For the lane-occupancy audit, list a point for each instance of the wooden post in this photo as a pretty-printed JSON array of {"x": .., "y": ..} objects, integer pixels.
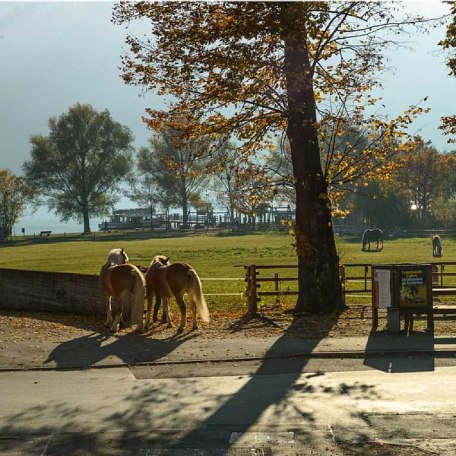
[
  {"x": 276, "y": 288},
  {"x": 252, "y": 291}
]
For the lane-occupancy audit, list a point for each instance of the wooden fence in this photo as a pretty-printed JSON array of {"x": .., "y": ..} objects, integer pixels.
[{"x": 356, "y": 280}]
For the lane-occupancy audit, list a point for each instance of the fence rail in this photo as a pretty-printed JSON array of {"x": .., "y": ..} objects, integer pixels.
[{"x": 349, "y": 279}]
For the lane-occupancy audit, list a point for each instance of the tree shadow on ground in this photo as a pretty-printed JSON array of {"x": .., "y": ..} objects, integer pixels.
[
  {"x": 195, "y": 415},
  {"x": 263, "y": 395}
]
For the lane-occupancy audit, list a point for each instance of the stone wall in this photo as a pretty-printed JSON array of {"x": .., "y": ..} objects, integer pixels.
[{"x": 50, "y": 292}]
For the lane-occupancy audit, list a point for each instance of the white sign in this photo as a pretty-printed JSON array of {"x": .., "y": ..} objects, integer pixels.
[{"x": 382, "y": 277}]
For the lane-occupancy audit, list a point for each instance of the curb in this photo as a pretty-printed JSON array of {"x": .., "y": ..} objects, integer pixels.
[{"x": 348, "y": 354}]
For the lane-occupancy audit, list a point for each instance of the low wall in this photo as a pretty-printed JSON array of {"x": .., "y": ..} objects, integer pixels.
[{"x": 50, "y": 292}]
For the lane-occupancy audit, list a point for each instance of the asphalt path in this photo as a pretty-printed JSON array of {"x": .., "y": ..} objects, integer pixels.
[{"x": 296, "y": 406}]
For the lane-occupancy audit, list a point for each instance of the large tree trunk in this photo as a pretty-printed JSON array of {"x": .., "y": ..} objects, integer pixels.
[
  {"x": 86, "y": 219},
  {"x": 318, "y": 274},
  {"x": 184, "y": 201},
  {"x": 185, "y": 213}
]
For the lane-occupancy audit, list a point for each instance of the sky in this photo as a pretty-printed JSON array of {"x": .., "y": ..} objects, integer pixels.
[{"x": 56, "y": 54}]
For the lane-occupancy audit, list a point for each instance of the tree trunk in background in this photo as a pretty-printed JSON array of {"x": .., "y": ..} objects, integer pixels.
[
  {"x": 185, "y": 213},
  {"x": 86, "y": 220}
]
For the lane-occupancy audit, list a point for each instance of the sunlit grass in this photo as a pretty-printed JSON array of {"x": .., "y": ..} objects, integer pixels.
[{"x": 212, "y": 255}]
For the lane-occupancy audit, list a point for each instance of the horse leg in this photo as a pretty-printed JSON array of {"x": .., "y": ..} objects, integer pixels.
[
  {"x": 193, "y": 307},
  {"x": 119, "y": 308},
  {"x": 108, "y": 321},
  {"x": 166, "y": 311},
  {"x": 183, "y": 311},
  {"x": 156, "y": 310},
  {"x": 150, "y": 298}
]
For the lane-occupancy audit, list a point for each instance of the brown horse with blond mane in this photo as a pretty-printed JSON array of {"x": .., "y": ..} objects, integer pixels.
[
  {"x": 167, "y": 280},
  {"x": 120, "y": 280}
]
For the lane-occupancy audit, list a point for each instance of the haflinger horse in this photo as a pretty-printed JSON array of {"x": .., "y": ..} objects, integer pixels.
[
  {"x": 436, "y": 246},
  {"x": 121, "y": 280},
  {"x": 372, "y": 235},
  {"x": 166, "y": 280}
]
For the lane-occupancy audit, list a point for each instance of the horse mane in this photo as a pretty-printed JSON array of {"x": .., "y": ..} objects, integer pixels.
[
  {"x": 117, "y": 256},
  {"x": 160, "y": 259}
]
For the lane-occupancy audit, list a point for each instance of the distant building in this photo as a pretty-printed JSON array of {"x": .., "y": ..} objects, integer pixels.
[{"x": 129, "y": 219}]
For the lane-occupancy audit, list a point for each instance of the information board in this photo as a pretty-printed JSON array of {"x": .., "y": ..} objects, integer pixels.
[{"x": 413, "y": 287}]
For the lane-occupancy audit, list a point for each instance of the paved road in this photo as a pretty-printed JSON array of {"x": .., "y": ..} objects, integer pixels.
[{"x": 278, "y": 407}]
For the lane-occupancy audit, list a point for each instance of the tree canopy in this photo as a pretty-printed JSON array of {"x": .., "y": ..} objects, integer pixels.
[
  {"x": 78, "y": 168},
  {"x": 449, "y": 43},
  {"x": 178, "y": 168},
  {"x": 14, "y": 194},
  {"x": 253, "y": 70}
]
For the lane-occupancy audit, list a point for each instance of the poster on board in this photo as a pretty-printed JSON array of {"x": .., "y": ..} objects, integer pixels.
[
  {"x": 382, "y": 288},
  {"x": 413, "y": 288}
]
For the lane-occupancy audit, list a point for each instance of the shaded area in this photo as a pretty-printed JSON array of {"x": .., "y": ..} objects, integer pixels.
[
  {"x": 256, "y": 401},
  {"x": 150, "y": 414},
  {"x": 94, "y": 348},
  {"x": 201, "y": 418},
  {"x": 383, "y": 342}
]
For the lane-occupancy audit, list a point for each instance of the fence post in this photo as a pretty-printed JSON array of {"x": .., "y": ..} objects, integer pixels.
[
  {"x": 276, "y": 287},
  {"x": 342, "y": 280},
  {"x": 252, "y": 290}
]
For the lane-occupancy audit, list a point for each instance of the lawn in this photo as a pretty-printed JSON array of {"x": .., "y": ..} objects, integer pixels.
[{"x": 213, "y": 255}]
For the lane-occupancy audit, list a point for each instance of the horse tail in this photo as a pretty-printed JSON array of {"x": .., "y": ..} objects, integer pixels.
[
  {"x": 138, "y": 291},
  {"x": 195, "y": 292}
]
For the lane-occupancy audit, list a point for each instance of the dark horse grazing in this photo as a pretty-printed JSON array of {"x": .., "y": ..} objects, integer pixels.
[
  {"x": 372, "y": 235},
  {"x": 436, "y": 246}
]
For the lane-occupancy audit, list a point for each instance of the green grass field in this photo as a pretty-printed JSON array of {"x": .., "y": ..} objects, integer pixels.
[{"x": 213, "y": 255}]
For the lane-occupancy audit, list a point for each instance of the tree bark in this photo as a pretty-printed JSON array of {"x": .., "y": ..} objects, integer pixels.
[
  {"x": 86, "y": 219},
  {"x": 185, "y": 213},
  {"x": 318, "y": 263}
]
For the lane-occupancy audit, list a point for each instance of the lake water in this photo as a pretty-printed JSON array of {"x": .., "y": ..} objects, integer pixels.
[{"x": 42, "y": 220}]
